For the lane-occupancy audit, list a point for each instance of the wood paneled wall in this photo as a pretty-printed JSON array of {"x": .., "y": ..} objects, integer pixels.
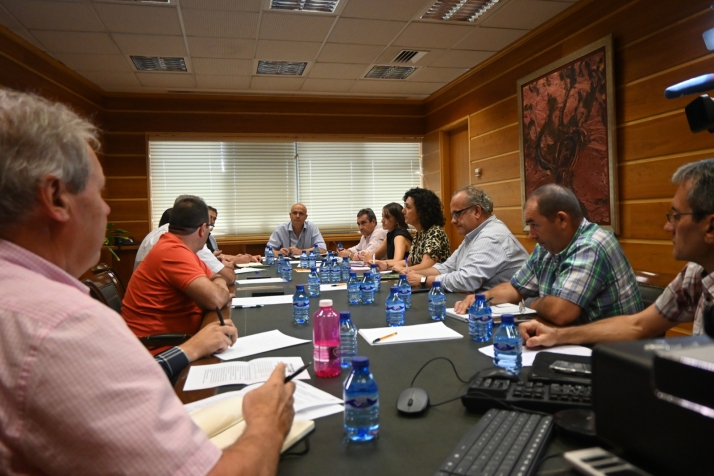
[{"x": 656, "y": 44}]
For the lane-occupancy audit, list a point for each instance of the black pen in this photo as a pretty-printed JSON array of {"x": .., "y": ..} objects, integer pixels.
[
  {"x": 220, "y": 316},
  {"x": 295, "y": 374}
]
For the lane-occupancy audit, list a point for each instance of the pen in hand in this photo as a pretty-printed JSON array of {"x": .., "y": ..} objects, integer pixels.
[
  {"x": 220, "y": 316},
  {"x": 295, "y": 374}
]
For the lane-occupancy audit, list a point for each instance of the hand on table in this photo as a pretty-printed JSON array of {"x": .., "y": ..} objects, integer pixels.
[
  {"x": 212, "y": 338},
  {"x": 294, "y": 250},
  {"x": 271, "y": 404},
  {"x": 343, "y": 253},
  {"x": 537, "y": 334},
  {"x": 462, "y": 307},
  {"x": 414, "y": 278},
  {"x": 284, "y": 251}
]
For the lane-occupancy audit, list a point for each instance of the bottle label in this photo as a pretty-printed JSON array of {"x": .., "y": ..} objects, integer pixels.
[
  {"x": 361, "y": 402},
  {"x": 398, "y": 308},
  {"x": 505, "y": 347},
  {"x": 326, "y": 354},
  {"x": 301, "y": 305},
  {"x": 484, "y": 319}
]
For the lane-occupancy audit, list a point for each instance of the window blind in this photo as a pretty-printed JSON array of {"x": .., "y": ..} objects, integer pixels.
[{"x": 254, "y": 184}]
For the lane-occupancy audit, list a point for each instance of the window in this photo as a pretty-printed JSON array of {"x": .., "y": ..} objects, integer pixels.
[{"x": 254, "y": 184}]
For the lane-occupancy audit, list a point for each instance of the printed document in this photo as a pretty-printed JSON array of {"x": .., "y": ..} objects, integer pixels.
[
  {"x": 237, "y": 373},
  {"x": 258, "y": 343}
]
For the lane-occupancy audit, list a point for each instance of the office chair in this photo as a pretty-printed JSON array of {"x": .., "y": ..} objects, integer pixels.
[{"x": 106, "y": 288}]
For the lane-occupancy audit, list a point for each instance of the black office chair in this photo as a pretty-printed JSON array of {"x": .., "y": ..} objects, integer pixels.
[
  {"x": 649, "y": 293},
  {"x": 106, "y": 288}
]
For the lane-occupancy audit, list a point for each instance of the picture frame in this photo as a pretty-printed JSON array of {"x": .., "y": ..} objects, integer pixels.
[{"x": 567, "y": 131}]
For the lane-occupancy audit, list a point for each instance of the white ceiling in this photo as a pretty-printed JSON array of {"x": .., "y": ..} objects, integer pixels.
[{"x": 222, "y": 41}]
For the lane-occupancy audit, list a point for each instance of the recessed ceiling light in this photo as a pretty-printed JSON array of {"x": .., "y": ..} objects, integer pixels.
[
  {"x": 323, "y": 6},
  {"x": 390, "y": 72},
  {"x": 458, "y": 10},
  {"x": 158, "y": 63},
  {"x": 281, "y": 67}
]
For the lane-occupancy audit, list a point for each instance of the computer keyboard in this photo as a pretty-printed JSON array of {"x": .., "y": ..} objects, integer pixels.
[
  {"x": 543, "y": 397},
  {"x": 502, "y": 443}
]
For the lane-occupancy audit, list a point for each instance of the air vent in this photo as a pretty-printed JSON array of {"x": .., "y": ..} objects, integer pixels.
[
  {"x": 407, "y": 56},
  {"x": 390, "y": 72},
  {"x": 458, "y": 10},
  {"x": 158, "y": 63},
  {"x": 322, "y": 6},
  {"x": 281, "y": 67}
]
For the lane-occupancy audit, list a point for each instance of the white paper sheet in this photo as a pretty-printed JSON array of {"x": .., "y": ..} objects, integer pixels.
[
  {"x": 252, "y": 265},
  {"x": 236, "y": 373},
  {"x": 259, "y": 343},
  {"x": 529, "y": 355},
  {"x": 417, "y": 333},
  {"x": 262, "y": 300},
  {"x": 261, "y": 281},
  {"x": 332, "y": 287},
  {"x": 496, "y": 312},
  {"x": 247, "y": 271},
  {"x": 360, "y": 268},
  {"x": 310, "y": 402}
]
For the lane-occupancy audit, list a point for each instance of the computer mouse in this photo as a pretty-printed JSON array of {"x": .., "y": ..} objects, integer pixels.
[
  {"x": 413, "y": 401},
  {"x": 498, "y": 373}
]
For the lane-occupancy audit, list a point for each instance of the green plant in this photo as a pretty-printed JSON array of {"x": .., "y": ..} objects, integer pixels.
[{"x": 111, "y": 234}]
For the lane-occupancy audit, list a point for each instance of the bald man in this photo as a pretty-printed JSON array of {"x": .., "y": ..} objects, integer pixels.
[{"x": 296, "y": 235}]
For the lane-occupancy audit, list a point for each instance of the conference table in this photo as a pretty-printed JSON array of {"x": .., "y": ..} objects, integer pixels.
[{"x": 405, "y": 445}]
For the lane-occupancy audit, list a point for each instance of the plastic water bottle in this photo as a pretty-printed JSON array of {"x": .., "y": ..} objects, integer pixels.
[
  {"x": 395, "y": 308},
  {"x": 325, "y": 272},
  {"x": 326, "y": 340},
  {"x": 367, "y": 288},
  {"x": 480, "y": 320},
  {"x": 345, "y": 269},
  {"x": 312, "y": 259},
  {"x": 313, "y": 283},
  {"x": 405, "y": 290},
  {"x": 269, "y": 256},
  {"x": 348, "y": 340},
  {"x": 361, "y": 398},
  {"x": 335, "y": 271},
  {"x": 437, "y": 302},
  {"x": 353, "y": 289},
  {"x": 279, "y": 264},
  {"x": 287, "y": 272},
  {"x": 303, "y": 259},
  {"x": 301, "y": 305},
  {"x": 376, "y": 277},
  {"x": 508, "y": 345}
]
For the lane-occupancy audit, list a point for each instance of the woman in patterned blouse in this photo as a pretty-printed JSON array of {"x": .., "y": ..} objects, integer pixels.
[{"x": 423, "y": 211}]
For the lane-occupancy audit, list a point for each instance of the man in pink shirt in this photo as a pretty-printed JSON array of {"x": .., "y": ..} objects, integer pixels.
[{"x": 78, "y": 393}]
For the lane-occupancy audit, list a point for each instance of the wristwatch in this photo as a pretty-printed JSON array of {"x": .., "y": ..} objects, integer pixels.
[{"x": 423, "y": 282}]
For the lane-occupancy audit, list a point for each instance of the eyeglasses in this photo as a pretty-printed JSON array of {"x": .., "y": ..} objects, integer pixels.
[
  {"x": 674, "y": 217},
  {"x": 455, "y": 215}
]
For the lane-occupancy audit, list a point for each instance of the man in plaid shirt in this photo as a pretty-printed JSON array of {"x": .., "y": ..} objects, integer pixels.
[
  {"x": 690, "y": 297},
  {"x": 577, "y": 271}
]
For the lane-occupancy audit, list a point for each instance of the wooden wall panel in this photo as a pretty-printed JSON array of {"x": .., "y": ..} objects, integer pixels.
[
  {"x": 129, "y": 210},
  {"x": 506, "y": 194},
  {"x": 459, "y": 153},
  {"x": 126, "y": 188},
  {"x": 501, "y": 114},
  {"x": 511, "y": 217},
  {"x": 124, "y": 166},
  {"x": 652, "y": 178},
  {"x": 651, "y": 256},
  {"x": 124, "y": 144},
  {"x": 498, "y": 142},
  {"x": 665, "y": 135},
  {"x": 644, "y": 219},
  {"x": 502, "y": 167}
]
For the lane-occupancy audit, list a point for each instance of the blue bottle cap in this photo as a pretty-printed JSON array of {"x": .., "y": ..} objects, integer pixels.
[
  {"x": 402, "y": 276},
  {"x": 367, "y": 274},
  {"x": 345, "y": 315},
  {"x": 313, "y": 270},
  {"x": 360, "y": 362},
  {"x": 300, "y": 287},
  {"x": 287, "y": 260},
  {"x": 436, "y": 284},
  {"x": 506, "y": 318},
  {"x": 394, "y": 289},
  {"x": 481, "y": 297},
  {"x": 353, "y": 274}
]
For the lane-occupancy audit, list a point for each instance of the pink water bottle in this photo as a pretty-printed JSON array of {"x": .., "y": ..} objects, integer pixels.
[{"x": 326, "y": 340}]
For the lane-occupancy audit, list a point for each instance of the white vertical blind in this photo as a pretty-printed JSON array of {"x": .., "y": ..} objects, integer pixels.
[{"x": 254, "y": 184}]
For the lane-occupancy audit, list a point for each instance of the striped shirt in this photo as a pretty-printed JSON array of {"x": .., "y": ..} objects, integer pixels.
[
  {"x": 489, "y": 255},
  {"x": 285, "y": 237},
  {"x": 592, "y": 272},
  {"x": 687, "y": 298}
]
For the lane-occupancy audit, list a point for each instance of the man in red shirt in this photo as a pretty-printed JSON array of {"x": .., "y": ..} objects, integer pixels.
[{"x": 173, "y": 289}]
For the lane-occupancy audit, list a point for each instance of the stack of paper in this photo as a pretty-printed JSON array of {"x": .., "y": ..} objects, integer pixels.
[
  {"x": 262, "y": 300},
  {"x": 417, "y": 333},
  {"x": 237, "y": 373},
  {"x": 261, "y": 281},
  {"x": 497, "y": 311},
  {"x": 258, "y": 343}
]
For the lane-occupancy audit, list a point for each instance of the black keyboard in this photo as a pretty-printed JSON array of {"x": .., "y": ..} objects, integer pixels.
[
  {"x": 502, "y": 443},
  {"x": 539, "y": 396}
]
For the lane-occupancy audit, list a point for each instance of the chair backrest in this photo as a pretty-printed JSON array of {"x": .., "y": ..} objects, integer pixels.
[
  {"x": 103, "y": 267},
  {"x": 104, "y": 288}
]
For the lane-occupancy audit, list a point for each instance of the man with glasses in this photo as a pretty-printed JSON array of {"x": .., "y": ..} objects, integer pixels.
[
  {"x": 173, "y": 288},
  {"x": 489, "y": 254},
  {"x": 688, "y": 298},
  {"x": 577, "y": 272}
]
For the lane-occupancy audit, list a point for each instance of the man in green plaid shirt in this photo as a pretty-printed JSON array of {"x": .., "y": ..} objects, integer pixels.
[{"x": 577, "y": 270}]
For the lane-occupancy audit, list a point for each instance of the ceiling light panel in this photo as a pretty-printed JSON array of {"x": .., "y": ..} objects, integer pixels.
[
  {"x": 159, "y": 63},
  {"x": 281, "y": 67},
  {"x": 458, "y": 10},
  {"x": 322, "y": 6},
  {"x": 390, "y": 72}
]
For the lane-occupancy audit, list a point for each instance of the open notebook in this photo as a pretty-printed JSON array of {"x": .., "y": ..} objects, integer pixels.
[{"x": 223, "y": 423}]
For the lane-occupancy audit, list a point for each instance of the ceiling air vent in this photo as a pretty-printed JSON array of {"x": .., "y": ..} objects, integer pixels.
[
  {"x": 407, "y": 56},
  {"x": 390, "y": 72},
  {"x": 323, "y": 6},
  {"x": 158, "y": 63},
  {"x": 458, "y": 10},
  {"x": 281, "y": 67}
]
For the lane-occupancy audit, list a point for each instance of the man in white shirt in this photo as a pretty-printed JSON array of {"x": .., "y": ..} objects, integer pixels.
[{"x": 372, "y": 237}]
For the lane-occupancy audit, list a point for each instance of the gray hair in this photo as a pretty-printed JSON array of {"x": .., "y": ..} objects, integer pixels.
[
  {"x": 552, "y": 198},
  {"x": 39, "y": 138},
  {"x": 701, "y": 195},
  {"x": 476, "y": 196}
]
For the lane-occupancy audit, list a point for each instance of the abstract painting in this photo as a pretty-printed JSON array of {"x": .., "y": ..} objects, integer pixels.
[{"x": 567, "y": 130}]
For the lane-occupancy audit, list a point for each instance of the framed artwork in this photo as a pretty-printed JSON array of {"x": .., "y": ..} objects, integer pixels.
[{"x": 567, "y": 130}]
